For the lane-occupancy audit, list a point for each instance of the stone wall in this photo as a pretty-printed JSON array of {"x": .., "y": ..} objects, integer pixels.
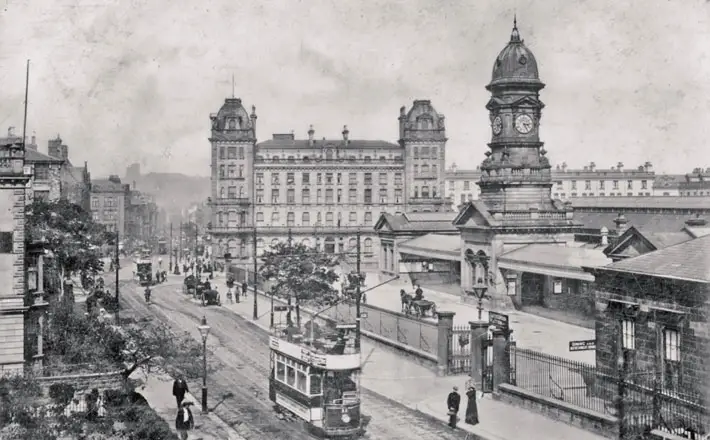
[{"x": 85, "y": 382}]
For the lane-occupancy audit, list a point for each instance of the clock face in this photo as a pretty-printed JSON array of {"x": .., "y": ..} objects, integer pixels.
[
  {"x": 497, "y": 125},
  {"x": 524, "y": 124}
]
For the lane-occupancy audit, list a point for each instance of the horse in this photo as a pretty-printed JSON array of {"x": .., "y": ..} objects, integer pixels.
[{"x": 407, "y": 301}]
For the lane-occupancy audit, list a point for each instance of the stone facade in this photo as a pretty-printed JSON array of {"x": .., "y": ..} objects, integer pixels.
[
  {"x": 13, "y": 182},
  {"x": 109, "y": 199},
  {"x": 322, "y": 191},
  {"x": 654, "y": 306},
  {"x": 46, "y": 182}
]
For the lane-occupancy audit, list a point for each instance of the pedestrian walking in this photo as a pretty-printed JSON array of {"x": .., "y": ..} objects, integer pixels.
[
  {"x": 179, "y": 390},
  {"x": 184, "y": 421},
  {"x": 471, "y": 406},
  {"x": 244, "y": 289},
  {"x": 452, "y": 403}
]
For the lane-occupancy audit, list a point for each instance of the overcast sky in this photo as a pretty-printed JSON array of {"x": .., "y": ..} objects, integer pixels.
[{"x": 136, "y": 80}]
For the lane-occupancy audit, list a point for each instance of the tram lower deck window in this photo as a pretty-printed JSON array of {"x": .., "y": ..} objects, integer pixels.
[
  {"x": 301, "y": 381},
  {"x": 316, "y": 384},
  {"x": 280, "y": 371},
  {"x": 290, "y": 375}
]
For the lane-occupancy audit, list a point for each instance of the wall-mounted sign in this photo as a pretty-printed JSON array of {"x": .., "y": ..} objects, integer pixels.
[
  {"x": 511, "y": 287},
  {"x": 557, "y": 286},
  {"x": 587, "y": 345}
]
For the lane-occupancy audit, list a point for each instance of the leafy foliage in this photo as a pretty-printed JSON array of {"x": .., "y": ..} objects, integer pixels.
[
  {"x": 68, "y": 232},
  {"x": 76, "y": 339},
  {"x": 26, "y": 415},
  {"x": 300, "y": 272}
]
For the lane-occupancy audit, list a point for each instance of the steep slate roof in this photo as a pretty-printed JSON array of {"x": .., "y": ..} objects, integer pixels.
[
  {"x": 353, "y": 144},
  {"x": 418, "y": 222},
  {"x": 35, "y": 156},
  {"x": 434, "y": 243},
  {"x": 556, "y": 255},
  {"x": 686, "y": 261}
]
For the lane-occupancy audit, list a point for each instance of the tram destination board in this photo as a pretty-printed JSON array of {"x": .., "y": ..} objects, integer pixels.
[
  {"x": 498, "y": 320},
  {"x": 588, "y": 345}
]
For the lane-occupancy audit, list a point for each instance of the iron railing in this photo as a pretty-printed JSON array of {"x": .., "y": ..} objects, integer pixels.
[{"x": 646, "y": 404}]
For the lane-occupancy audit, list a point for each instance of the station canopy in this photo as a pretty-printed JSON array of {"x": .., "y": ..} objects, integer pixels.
[
  {"x": 431, "y": 247},
  {"x": 554, "y": 260}
]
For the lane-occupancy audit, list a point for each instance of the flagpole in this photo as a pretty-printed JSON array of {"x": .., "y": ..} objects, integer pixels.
[{"x": 27, "y": 90}]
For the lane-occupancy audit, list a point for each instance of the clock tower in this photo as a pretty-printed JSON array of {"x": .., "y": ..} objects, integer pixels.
[
  {"x": 516, "y": 172},
  {"x": 515, "y": 208}
]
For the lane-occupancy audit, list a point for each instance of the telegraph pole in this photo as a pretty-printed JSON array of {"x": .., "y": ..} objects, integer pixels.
[
  {"x": 118, "y": 321},
  {"x": 358, "y": 294},
  {"x": 256, "y": 307},
  {"x": 194, "y": 257},
  {"x": 171, "y": 247}
]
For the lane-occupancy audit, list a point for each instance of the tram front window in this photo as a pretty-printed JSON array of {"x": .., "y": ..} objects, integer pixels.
[
  {"x": 340, "y": 384},
  {"x": 316, "y": 384}
]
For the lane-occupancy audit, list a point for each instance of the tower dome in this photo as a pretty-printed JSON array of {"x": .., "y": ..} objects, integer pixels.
[{"x": 515, "y": 63}]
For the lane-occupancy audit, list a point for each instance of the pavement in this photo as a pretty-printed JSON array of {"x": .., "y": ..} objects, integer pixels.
[
  {"x": 403, "y": 380},
  {"x": 529, "y": 331},
  {"x": 158, "y": 392}
]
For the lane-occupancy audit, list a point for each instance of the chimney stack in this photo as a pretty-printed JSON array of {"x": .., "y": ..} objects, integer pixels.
[
  {"x": 346, "y": 132},
  {"x": 311, "y": 133},
  {"x": 605, "y": 236},
  {"x": 10, "y": 132},
  {"x": 621, "y": 223}
]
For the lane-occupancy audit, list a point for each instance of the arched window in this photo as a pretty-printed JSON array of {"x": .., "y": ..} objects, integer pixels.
[
  {"x": 274, "y": 218},
  {"x": 416, "y": 192},
  {"x": 306, "y": 219},
  {"x": 221, "y": 171},
  {"x": 425, "y": 169},
  {"x": 232, "y": 124},
  {"x": 415, "y": 152},
  {"x": 352, "y": 244},
  {"x": 232, "y": 219},
  {"x": 291, "y": 219},
  {"x": 243, "y": 249},
  {"x": 329, "y": 154},
  {"x": 368, "y": 246},
  {"x": 425, "y": 192},
  {"x": 241, "y": 192},
  {"x": 329, "y": 219},
  {"x": 306, "y": 159},
  {"x": 276, "y": 159},
  {"x": 221, "y": 220},
  {"x": 221, "y": 193},
  {"x": 319, "y": 218}
]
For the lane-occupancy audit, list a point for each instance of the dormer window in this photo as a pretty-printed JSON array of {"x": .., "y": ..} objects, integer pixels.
[
  {"x": 232, "y": 124},
  {"x": 276, "y": 159}
]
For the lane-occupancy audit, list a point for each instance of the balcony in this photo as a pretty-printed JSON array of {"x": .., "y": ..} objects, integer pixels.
[
  {"x": 339, "y": 162},
  {"x": 230, "y": 201}
]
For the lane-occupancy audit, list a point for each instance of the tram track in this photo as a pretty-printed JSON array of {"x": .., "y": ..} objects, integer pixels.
[{"x": 242, "y": 349}]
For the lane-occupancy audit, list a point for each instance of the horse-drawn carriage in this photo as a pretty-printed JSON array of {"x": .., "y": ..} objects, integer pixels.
[
  {"x": 417, "y": 306},
  {"x": 203, "y": 291}
]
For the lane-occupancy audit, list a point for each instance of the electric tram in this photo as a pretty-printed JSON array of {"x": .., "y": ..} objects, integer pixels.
[{"x": 315, "y": 377}]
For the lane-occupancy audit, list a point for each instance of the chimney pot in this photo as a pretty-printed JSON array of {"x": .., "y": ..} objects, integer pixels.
[
  {"x": 311, "y": 132},
  {"x": 346, "y": 132}
]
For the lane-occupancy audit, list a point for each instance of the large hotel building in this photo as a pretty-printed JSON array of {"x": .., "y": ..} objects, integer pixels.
[{"x": 322, "y": 191}]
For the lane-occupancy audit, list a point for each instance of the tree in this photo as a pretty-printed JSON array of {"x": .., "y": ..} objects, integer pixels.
[
  {"x": 69, "y": 233},
  {"x": 74, "y": 339},
  {"x": 298, "y": 272}
]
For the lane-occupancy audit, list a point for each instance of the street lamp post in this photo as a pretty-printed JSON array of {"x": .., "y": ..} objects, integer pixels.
[
  {"x": 479, "y": 290},
  {"x": 204, "y": 329},
  {"x": 255, "y": 315},
  {"x": 118, "y": 321}
]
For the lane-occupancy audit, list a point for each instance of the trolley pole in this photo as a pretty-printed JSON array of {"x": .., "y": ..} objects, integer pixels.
[
  {"x": 118, "y": 320},
  {"x": 255, "y": 315},
  {"x": 358, "y": 294}
]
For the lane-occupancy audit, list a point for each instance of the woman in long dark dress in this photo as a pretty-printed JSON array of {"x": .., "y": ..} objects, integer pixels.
[{"x": 471, "y": 406}]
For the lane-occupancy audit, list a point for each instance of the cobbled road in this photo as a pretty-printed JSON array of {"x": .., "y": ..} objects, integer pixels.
[{"x": 242, "y": 353}]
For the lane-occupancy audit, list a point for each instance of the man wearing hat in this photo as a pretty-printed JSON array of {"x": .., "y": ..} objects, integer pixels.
[{"x": 452, "y": 403}]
